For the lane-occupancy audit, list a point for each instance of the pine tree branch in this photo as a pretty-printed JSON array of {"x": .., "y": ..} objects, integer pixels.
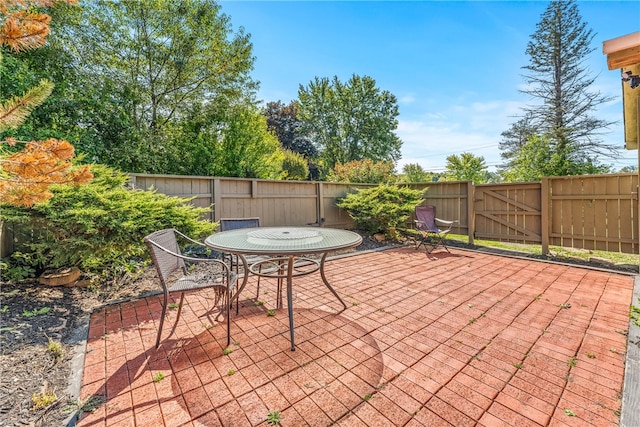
[{"x": 15, "y": 111}]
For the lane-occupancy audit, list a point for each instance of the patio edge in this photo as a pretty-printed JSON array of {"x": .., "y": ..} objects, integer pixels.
[{"x": 629, "y": 414}]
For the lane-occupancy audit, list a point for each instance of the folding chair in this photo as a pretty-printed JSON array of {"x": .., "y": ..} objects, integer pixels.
[
  {"x": 179, "y": 273},
  {"x": 431, "y": 236}
]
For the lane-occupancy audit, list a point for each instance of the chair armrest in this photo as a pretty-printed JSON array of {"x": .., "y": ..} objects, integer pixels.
[
  {"x": 191, "y": 259},
  {"x": 190, "y": 239},
  {"x": 442, "y": 221}
]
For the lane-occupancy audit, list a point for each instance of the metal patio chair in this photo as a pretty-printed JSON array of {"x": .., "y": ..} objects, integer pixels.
[
  {"x": 180, "y": 273},
  {"x": 227, "y": 224},
  {"x": 427, "y": 224}
]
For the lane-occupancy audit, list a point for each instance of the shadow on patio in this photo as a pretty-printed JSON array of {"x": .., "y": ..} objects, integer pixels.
[{"x": 460, "y": 339}]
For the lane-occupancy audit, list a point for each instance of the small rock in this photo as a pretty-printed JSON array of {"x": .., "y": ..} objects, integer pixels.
[{"x": 379, "y": 237}]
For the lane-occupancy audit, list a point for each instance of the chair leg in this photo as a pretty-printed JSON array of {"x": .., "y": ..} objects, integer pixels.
[
  {"x": 228, "y": 306},
  {"x": 164, "y": 310},
  {"x": 180, "y": 306},
  {"x": 258, "y": 289},
  {"x": 444, "y": 244}
]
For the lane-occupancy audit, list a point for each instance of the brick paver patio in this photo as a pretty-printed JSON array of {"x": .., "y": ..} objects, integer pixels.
[{"x": 463, "y": 339}]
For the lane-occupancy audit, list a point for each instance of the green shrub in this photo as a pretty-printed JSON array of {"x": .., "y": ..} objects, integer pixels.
[
  {"x": 381, "y": 208},
  {"x": 99, "y": 226}
]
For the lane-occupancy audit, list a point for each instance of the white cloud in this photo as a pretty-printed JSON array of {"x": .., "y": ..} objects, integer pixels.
[
  {"x": 431, "y": 136},
  {"x": 436, "y": 129},
  {"x": 407, "y": 99}
]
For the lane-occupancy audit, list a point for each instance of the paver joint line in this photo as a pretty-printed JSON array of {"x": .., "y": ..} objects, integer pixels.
[{"x": 437, "y": 338}]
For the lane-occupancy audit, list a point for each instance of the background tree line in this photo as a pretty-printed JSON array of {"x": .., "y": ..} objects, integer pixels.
[{"x": 164, "y": 86}]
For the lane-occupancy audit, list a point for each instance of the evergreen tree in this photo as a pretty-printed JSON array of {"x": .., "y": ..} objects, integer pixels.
[
  {"x": 558, "y": 79},
  {"x": 27, "y": 174},
  {"x": 515, "y": 138}
]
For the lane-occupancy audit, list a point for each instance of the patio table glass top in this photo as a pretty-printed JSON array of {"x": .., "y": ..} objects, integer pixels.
[{"x": 283, "y": 240}]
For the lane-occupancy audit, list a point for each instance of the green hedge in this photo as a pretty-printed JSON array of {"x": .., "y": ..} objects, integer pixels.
[{"x": 97, "y": 227}]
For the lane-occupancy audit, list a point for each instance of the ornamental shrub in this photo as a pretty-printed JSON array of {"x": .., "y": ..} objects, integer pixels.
[
  {"x": 381, "y": 208},
  {"x": 98, "y": 226}
]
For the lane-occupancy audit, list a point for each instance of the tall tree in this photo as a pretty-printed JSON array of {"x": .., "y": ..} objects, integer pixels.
[
  {"x": 559, "y": 80},
  {"x": 515, "y": 138},
  {"x": 282, "y": 119},
  {"x": 223, "y": 140},
  {"x": 538, "y": 158},
  {"x": 152, "y": 64},
  {"x": 466, "y": 167},
  {"x": 349, "y": 121}
]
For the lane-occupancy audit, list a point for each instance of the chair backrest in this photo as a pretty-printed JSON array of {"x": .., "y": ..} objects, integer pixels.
[
  {"x": 427, "y": 216},
  {"x": 164, "y": 248},
  {"x": 227, "y": 224}
]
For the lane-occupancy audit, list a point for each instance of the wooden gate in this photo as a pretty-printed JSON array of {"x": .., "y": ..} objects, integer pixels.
[{"x": 508, "y": 213}]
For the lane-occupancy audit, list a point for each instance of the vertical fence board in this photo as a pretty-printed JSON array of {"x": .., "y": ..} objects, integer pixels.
[
  {"x": 591, "y": 212},
  {"x": 597, "y": 211},
  {"x": 451, "y": 202}
]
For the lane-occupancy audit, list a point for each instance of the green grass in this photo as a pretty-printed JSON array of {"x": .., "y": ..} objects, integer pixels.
[
  {"x": 555, "y": 251},
  {"x": 35, "y": 312}
]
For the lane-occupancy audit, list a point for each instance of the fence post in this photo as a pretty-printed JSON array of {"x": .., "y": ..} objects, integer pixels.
[
  {"x": 545, "y": 203},
  {"x": 319, "y": 204},
  {"x": 216, "y": 196},
  {"x": 471, "y": 211}
]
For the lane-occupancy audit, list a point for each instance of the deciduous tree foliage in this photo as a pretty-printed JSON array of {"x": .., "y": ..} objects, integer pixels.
[
  {"x": 26, "y": 175},
  {"x": 294, "y": 166},
  {"x": 562, "y": 87},
  {"x": 363, "y": 171},
  {"x": 539, "y": 158},
  {"x": 283, "y": 121},
  {"x": 349, "y": 121},
  {"x": 157, "y": 76},
  {"x": 466, "y": 167},
  {"x": 413, "y": 172}
]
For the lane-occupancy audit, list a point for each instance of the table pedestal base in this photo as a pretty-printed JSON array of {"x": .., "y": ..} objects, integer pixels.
[{"x": 288, "y": 267}]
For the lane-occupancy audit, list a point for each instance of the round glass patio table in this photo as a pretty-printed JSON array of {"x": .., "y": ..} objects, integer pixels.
[{"x": 285, "y": 248}]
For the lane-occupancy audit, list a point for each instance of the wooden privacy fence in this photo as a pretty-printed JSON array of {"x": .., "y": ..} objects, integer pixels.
[{"x": 588, "y": 211}]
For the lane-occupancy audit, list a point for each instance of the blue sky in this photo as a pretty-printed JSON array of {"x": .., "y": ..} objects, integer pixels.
[{"x": 455, "y": 66}]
